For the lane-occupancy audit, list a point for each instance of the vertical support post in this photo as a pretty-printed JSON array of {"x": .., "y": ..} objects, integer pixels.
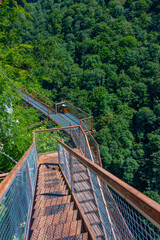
[
  {"x": 85, "y": 151},
  {"x": 59, "y": 154},
  {"x": 71, "y": 167},
  {"x": 48, "y": 113},
  {"x": 36, "y": 149},
  {"x": 79, "y": 138},
  {"x": 98, "y": 160},
  {"x": 29, "y": 179}
]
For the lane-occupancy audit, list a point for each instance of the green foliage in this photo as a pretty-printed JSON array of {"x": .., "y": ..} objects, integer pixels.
[{"x": 47, "y": 142}]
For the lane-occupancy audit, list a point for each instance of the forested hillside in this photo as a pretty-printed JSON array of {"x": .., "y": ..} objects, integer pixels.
[{"x": 103, "y": 56}]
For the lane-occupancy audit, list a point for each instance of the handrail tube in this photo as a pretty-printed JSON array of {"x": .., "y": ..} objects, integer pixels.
[
  {"x": 143, "y": 204},
  {"x": 60, "y": 102},
  {"x": 3, "y": 175},
  {"x": 86, "y": 118},
  {"x": 55, "y": 129},
  {"x": 9, "y": 178},
  {"x": 36, "y": 124}
]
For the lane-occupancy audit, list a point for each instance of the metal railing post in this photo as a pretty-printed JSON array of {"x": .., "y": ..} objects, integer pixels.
[
  {"x": 48, "y": 112},
  {"x": 71, "y": 167},
  {"x": 79, "y": 138},
  {"x": 85, "y": 151},
  {"x": 92, "y": 124},
  {"x": 29, "y": 179}
]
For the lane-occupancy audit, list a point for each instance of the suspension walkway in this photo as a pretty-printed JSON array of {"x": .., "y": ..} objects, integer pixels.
[
  {"x": 53, "y": 110},
  {"x": 66, "y": 194}
]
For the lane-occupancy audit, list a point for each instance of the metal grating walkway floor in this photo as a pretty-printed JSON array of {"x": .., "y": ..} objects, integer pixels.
[{"x": 54, "y": 214}]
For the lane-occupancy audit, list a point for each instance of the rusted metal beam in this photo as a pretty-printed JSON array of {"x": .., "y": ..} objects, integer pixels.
[
  {"x": 25, "y": 106},
  {"x": 2, "y": 176},
  {"x": 143, "y": 204},
  {"x": 55, "y": 129},
  {"x": 36, "y": 124}
]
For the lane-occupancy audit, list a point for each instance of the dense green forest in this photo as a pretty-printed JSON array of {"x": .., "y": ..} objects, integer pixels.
[{"x": 103, "y": 56}]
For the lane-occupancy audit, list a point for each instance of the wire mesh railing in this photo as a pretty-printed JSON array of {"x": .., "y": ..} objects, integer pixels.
[
  {"x": 129, "y": 218},
  {"x": 139, "y": 226},
  {"x": 87, "y": 123},
  {"x": 114, "y": 209},
  {"x": 76, "y": 112},
  {"x": 16, "y": 201},
  {"x": 39, "y": 97},
  {"x": 85, "y": 186}
]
